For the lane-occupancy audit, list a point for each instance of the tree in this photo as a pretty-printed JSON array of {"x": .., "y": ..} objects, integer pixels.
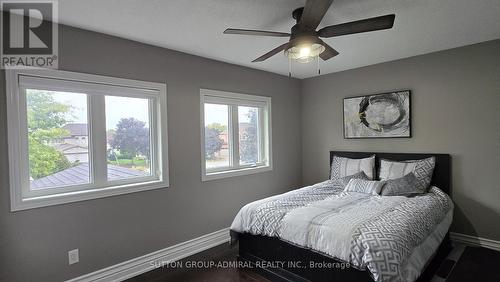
[
  {"x": 110, "y": 152},
  {"x": 44, "y": 113},
  {"x": 131, "y": 138},
  {"x": 218, "y": 126},
  {"x": 213, "y": 142},
  {"x": 45, "y": 160},
  {"x": 248, "y": 140},
  {"x": 110, "y": 135},
  {"x": 45, "y": 119}
]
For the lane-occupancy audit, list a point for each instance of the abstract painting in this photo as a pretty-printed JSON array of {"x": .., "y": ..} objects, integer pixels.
[{"x": 383, "y": 115}]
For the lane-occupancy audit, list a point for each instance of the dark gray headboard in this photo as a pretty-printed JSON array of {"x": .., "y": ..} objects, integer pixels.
[{"x": 441, "y": 177}]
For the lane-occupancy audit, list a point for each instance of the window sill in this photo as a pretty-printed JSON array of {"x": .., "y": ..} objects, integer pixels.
[
  {"x": 71, "y": 197},
  {"x": 236, "y": 172}
]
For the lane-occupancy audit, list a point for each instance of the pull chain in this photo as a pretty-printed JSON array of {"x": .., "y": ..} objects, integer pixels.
[
  {"x": 289, "y": 67},
  {"x": 317, "y": 63}
]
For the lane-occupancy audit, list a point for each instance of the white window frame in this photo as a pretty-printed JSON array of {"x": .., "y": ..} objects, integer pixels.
[
  {"x": 96, "y": 87},
  {"x": 265, "y": 131}
]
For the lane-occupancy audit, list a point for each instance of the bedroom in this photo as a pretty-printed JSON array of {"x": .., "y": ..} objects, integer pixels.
[{"x": 445, "y": 53}]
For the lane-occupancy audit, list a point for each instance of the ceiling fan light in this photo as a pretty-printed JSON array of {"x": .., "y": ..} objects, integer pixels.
[{"x": 305, "y": 53}]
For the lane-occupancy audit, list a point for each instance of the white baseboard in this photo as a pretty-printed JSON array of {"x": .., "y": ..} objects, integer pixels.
[
  {"x": 139, "y": 265},
  {"x": 475, "y": 241}
]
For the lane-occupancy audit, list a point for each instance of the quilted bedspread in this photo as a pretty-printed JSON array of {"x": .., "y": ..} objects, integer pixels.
[{"x": 369, "y": 232}]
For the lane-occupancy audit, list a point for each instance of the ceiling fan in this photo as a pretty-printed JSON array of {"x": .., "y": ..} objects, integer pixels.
[{"x": 305, "y": 43}]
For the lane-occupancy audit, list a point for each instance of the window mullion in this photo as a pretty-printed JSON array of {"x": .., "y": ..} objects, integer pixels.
[
  {"x": 235, "y": 136},
  {"x": 260, "y": 135},
  {"x": 154, "y": 139},
  {"x": 98, "y": 158}
]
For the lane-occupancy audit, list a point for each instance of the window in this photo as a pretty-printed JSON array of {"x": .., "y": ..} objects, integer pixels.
[
  {"x": 128, "y": 137},
  {"x": 76, "y": 136},
  {"x": 235, "y": 134}
]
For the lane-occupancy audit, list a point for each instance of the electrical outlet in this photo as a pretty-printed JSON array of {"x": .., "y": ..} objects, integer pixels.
[{"x": 73, "y": 256}]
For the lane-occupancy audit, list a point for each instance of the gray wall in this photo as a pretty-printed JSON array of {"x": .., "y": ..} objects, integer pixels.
[
  {"x": 455, "y": 109},
  {"x": 34, "y": 243},
  {"x": 455, "y": 102}
]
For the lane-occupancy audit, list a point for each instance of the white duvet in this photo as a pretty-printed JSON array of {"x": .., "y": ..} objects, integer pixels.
[{"x": 377, "y": 233}]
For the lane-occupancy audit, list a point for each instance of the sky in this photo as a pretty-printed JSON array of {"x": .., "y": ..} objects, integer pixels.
[
  {"x": 125, "y": 107},
  {"x": 116, "y": 108},
  {"x": 215, "y": 113}
]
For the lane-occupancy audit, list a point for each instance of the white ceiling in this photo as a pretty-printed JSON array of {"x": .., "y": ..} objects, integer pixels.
[{"x": 196, "y": 26}]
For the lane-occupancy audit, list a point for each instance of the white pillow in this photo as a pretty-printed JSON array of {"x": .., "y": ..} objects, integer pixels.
[
  {"x": 360, "y": 175},
  {"x": 342, "y": 167},
  {"x": 364, "y": 186},
  {"x": 422, "y": 169}
]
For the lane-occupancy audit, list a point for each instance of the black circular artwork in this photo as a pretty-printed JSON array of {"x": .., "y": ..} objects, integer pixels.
[{"x": 384, "y": 122}]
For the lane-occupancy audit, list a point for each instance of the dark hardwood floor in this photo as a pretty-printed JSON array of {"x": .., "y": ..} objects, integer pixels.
[{"x": 475, "y": 264}]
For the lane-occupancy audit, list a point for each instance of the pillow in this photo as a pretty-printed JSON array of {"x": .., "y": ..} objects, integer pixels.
[
  {"x": 360, "y": 175},
  {"x": 421, "y": 168},
  {"x": 403, "y": 186},
  {"x": 364, "y": 186},
  {"x": 342, "y": 167}
]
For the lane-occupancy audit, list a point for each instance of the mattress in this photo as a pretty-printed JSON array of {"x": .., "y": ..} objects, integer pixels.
[{"x": 393, "y": 237}]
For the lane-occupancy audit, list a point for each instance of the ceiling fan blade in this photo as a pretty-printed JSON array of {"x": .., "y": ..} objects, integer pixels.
[
  {"x": 313, "y": 13},
  {"x": 328, "y": 53},
  {"x": 255, "y": 32},
  {"x": 271, "y": 53},
  {"x": 371, "y": 24}
]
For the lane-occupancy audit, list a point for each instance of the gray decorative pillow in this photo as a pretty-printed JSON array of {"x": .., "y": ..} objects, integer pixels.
[
  {"x": 404, "y": 186},
  {"x": 422, "y": 169},
  {"x": 364, "y": 186},
  {"x": 360, "y": 175},
  {"x": 342, "y": 167}
]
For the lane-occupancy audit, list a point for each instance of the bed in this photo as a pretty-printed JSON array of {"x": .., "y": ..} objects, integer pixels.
[{"x": 376, "y": 238}]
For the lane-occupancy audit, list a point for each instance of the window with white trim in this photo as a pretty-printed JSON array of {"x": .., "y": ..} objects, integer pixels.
[
  {"x": 235, "y": 134},
  {"x": 76, "y": 136}
]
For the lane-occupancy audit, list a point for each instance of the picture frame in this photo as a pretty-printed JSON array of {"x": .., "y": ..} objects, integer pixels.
[{"x": 382, "y": 115}]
